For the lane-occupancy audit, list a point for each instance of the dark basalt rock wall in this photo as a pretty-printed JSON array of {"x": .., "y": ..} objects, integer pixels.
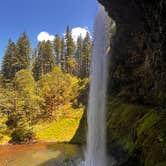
[
  {"x": 138, "y": 60},
  {"x": 137, "y": 83}
]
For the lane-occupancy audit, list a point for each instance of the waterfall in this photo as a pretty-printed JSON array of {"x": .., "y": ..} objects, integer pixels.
[{"x": 96, "y": 141}]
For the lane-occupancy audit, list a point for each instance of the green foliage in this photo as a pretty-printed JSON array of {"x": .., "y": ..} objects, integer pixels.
[
  {"x": 28, "y": 102},
  {"x": 83, "y": 55},
  {"x": 45, "y": 60},
  {"x": 17, "y": 57},
  {"x": 57, "y": 89},
  {"x": 22, "y": 134},
  {"x": 20, "y": 105},
  {"x": 8, "y": 100},
  {"x": 25, "y": 82},
  {"x": 7, "y": 64},
  {"x": 19, "y": 125},
  {"x": 73, "y": 58},
  {"x": 86, "y": 56},
  {"x": 84, "y": 92},
  {"x": 69, "y": 43},
  {"x": 3, "y": 128},
  {"x": 21, "y": 59},
  {"x": 57, "y": 49},
  {"x": 63, "y": 59},
  {"x": 26, "y": 88},
  {"x": 70, "y": 48},
  {"x": 79, "y": 53},
  {"x": 42, "y": 86}
]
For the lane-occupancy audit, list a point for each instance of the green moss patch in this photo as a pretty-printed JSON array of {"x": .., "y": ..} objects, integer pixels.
[
  {"x": 121, "y": 122},
  {"x": 138, "y": 128}
]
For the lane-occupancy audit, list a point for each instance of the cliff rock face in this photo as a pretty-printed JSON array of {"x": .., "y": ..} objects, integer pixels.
[
  {"x": 138, "y": 56},
  {"x": 137, "y": 86}
]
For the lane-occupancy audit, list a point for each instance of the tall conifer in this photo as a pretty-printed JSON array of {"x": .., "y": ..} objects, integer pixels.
[
  {"x": 57, "y": 49},
  {"x": 86, "y": 56},
  {"x": 70, "y": 47},
  {"x": 7, "y": 72},
  {"x": 21, "y": 60},
  {"x": 45, "y": 60}
]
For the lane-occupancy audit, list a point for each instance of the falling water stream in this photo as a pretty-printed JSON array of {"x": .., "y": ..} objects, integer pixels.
[{"x": 96, "y": 141}]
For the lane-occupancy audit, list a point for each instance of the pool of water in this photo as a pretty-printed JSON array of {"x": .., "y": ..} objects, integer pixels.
[{"x": 40, "y": 154}]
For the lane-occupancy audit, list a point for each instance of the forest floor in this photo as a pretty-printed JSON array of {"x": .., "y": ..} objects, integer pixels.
[{"x": 59, "y": 131}]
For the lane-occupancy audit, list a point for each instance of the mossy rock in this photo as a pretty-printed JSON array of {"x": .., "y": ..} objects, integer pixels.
[
  {"x": 161, "y": 164},
  {"x": 121, "y": 122},
  {"x": 136, "y": 134},
  {"x": 137, "y": 128},
  {"x": 151, "y": 137}
]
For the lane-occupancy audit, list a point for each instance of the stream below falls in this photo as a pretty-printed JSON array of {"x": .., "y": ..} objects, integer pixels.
[{"x": 40, "y": 154}]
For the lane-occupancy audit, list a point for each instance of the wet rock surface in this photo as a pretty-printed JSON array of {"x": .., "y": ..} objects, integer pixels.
[
  {"x": 138, "y": 60},
  {"x": 137, "y": 79}
]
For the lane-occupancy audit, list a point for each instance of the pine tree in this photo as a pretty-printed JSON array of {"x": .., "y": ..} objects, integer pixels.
[
  {"x": 7, "y": 72},
  {"x": 33, "y": 58},
  {"x": 49, "y": 57},
  {"x": 21, "y": 60},
  {"x": 78, "y": 54},
  {"x": 45, "y": 61},
  {"x": 70, "y": 47},
  {"x": 86, "y": 56},
  {"x": 63, "y": 59},
  {"x": 37, "y": 63},
  {"x": 57, "y": 49}
]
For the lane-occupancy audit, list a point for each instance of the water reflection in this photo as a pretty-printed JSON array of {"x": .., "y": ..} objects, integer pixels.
[{"x": 40, "y": 154}]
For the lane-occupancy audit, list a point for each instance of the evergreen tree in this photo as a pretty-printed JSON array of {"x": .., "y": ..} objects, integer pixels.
[
  {"x": 33, "y": 58},
  {"x": 63, "y": 59},
  {"x": 57, "y": 49},
  {"x": 70, "y": 47},
  {"x": 45, "y": 60},
  {"x": 86, "y": 56},
  {"x": 78, "y": 54},
  {"x": 21, "y": 60},
  {"x": 7, "y": 72}
]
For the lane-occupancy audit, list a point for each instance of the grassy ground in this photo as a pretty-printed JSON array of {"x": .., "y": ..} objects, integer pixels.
[{"x": 62, "y": 130}]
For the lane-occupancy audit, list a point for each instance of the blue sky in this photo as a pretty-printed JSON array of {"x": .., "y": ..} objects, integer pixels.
[{"x": 35, "y": 16}]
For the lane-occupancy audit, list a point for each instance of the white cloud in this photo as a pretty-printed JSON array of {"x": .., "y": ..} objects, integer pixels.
[
  {"x": 45, "y": 36},
  {"x": 76, "y": 32}
]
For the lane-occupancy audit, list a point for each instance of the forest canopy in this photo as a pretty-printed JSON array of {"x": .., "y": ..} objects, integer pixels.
[{"x": 42, "y": 85}]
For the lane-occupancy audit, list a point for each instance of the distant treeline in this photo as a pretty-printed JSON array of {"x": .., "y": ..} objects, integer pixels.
[
  {"x": 71, "y": 57},
  {"x": 42, "y": 84}
]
